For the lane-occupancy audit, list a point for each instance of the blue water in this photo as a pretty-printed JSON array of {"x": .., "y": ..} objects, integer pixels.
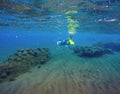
[
  {"x": 13, "y": 40},
  {"x": 33, "y": 24},
  {"x": 41, "y": 23}
]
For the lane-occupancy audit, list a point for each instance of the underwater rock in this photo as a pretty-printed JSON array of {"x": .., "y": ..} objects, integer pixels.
[
  {"x": 3, "y": 75},
  {"x": 42, "y": 62},
  {"x": 93, "y": 51},
  {"x": 12, "y": 79},
  {"x": 39, "y": 66},
  {"x": 22, "y": 61},
  {"x": 115, "y": 46}
]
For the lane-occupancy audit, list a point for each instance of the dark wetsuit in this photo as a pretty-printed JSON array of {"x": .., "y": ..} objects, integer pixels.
[{"x": 65, "y": 42}]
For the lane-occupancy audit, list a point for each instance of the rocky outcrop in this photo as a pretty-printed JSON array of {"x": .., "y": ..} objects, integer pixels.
[
  {"x": 115, "y": 46},
  {"x": 92, "y": 51},
  {"x": 22, "y": 61}
]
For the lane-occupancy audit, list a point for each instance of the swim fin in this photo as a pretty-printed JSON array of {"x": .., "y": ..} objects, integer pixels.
[{"x": 71, "y": 41}]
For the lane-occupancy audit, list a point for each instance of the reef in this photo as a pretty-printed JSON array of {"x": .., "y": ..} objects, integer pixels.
[
  {"x": 22, "y": 61},
  {"x": 115, "y": 46},
  {"x": 92, "y": 51}
]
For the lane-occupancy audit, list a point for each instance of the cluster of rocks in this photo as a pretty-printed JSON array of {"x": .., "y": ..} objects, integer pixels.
[
  {"x": 22, "y": 61},
  {"x": 92, "y": 51},
  {"x": 115, "y": 46}
]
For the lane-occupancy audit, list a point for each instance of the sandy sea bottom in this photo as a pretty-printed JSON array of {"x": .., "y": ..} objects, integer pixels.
[{"x": 66, "y": 73}]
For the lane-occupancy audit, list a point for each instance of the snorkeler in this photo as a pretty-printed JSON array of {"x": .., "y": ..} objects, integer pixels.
[
  {"x": 72, "y": 26},
  {"x": 66, "y": 42},
  {"x": 62, "y": 43}
]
